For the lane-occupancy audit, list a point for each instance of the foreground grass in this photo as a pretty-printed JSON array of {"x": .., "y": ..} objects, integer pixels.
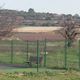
[
  {"x": 66, "y": 75},
  {"x": 43, "y": 74}
]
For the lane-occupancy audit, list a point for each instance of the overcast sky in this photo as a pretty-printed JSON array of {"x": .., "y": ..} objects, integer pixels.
[{"x": 54, "y": 6}]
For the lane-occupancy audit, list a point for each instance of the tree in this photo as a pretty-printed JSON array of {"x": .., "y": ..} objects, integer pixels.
[
  {"x": 31, "y": 11},
  {"x": 69, "y": 31},
  {"x": 7, "y": 23},
  {"x": 76, "y": 16}
]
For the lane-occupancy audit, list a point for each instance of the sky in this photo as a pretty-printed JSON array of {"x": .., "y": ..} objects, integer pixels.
[{"x": 52, "y": 6}]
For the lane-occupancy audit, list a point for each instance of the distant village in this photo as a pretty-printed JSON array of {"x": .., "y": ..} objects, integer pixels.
[{"x": 32, "y": 18}]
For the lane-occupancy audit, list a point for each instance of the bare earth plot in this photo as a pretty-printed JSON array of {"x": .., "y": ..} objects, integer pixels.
[{"x": 38, "y": 33}]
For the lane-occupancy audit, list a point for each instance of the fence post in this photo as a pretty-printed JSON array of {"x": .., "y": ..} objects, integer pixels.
[
  {"x": 79, "y": 54},
  {"x": 11, "y": 51},
  {"x": 27, "y": 51},
  {"x": 45, "y": 53},
  {"x": 65, "y": 54},
  {"x": 37, "y": 55}
]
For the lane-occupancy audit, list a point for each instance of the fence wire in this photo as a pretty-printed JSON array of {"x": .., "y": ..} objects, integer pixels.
[{"x": 55, "y": 54}]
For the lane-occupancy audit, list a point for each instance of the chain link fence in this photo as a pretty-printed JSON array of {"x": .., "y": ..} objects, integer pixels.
[{"x": 55, "y": 54}]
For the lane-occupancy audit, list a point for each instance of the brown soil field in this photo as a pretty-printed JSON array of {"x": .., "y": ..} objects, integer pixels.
[
  {"x": 38, "y": 36},
  {"x": 37, "y": 33}
]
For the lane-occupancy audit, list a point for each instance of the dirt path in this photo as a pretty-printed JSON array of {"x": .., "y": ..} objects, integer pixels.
[{"x": 2, "y": 66}]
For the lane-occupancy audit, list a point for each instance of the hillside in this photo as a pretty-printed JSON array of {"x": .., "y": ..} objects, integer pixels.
[{"x": 32, "y": 18}]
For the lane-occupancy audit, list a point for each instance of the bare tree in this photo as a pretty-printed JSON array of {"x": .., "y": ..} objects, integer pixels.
[
  {"x": 7, "y": 23},
  {"x": 69, "y": 31}
]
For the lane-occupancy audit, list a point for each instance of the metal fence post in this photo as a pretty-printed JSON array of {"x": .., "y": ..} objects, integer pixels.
[
  {"x": 27, "y": 51},
  {"x": 65, "y": 54},
  {"x": 79, "y": 54},
  {"x": 11, "y": 51},
  {"x": 45, "y": 53},
  {"x": 37, "y": 55}
]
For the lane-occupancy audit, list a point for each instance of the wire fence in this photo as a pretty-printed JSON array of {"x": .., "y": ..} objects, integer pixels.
[{"x": 55, "y": 54}]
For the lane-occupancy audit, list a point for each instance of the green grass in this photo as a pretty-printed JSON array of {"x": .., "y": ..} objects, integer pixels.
[
  {"x": 65, "y": 75},
  {"x": 33, "y": 70},
  {"x": 55, "y": 62},
  {"x": 55, "y": 57}
]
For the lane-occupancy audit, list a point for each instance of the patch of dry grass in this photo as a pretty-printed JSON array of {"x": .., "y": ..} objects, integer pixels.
[
  {"x": 36, "y": 29},
  {"x": 69, "y": 75}
]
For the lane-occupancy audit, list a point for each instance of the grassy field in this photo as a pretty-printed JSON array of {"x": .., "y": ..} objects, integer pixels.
[
  {"x": 55, "y": 57},
  {"x": 11, "y": 73},
  {"x": 55, "y": 61}
]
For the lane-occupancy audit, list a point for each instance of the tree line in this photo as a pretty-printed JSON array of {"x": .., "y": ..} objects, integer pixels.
[{"x": 32, "y": 18}]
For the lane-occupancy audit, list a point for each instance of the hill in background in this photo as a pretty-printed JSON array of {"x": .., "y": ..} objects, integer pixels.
[{"x": 32, "y": 18}]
